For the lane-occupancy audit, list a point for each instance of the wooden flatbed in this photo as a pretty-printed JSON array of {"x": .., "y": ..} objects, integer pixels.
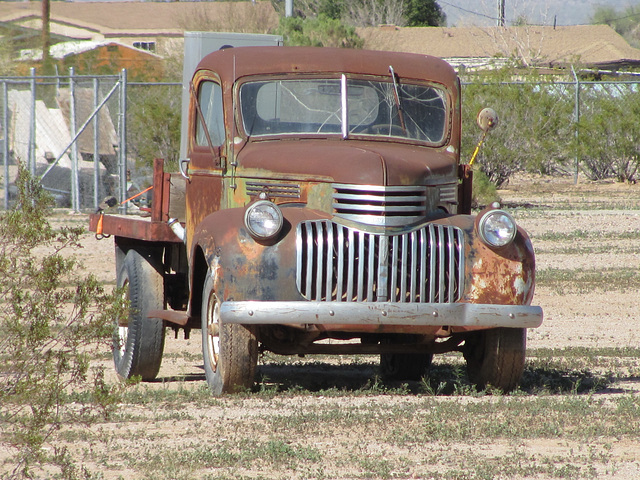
[{"x": 167, "y": 203}]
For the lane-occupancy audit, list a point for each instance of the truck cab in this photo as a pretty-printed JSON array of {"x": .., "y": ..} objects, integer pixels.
[{"x": 323, "y": 197}]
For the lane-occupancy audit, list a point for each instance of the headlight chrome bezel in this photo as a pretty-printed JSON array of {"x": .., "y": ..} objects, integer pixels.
[
  {"x": 497, "y": 228},
  {"x": 252, "y": 220}
]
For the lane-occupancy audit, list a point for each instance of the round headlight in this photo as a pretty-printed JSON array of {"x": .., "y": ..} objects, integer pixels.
[
  {"x": 263, "y": 219},
  {"x": 497, "y": 228}
]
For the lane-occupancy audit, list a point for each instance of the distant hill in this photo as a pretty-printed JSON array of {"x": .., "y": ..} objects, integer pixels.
[{"x": 544, "y": 12}]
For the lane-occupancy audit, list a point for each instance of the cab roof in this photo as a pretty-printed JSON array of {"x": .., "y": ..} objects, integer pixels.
[{"x": 231, "y": 64}]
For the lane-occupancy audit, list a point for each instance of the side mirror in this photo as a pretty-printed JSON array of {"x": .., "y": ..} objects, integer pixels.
[{"x": 487, "y": 119}]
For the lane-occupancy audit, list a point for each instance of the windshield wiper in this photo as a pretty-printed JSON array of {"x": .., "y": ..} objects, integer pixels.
[{"x": 396, "y": 91}]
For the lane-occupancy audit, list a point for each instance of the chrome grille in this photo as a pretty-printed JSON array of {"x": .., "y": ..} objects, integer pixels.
[
  {"x": 341, "y": 264},
  {"x": 385, "y": 206}
]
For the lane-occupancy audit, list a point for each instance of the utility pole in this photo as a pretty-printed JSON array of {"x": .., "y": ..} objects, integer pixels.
[
  {"x": 46, "y": 35},
  {"x": 501, "y": 13}
]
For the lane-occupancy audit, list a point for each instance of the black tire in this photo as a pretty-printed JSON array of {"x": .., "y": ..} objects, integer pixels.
[
  {"x": 230, "y": 351},
  {"x": 496, "y": 358},
  {"x": 404, "y": 366},
  {"x": 138, "y": 341}
]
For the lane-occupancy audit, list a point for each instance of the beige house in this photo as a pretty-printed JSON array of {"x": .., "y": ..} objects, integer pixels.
[
  {"x": 159, "y": 27},
  {"x": 592, "y": 46},
  {"x": 153, "y": 26}
]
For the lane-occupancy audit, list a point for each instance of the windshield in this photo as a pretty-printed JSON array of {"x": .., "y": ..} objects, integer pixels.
[{"x": 315, "y": 106}]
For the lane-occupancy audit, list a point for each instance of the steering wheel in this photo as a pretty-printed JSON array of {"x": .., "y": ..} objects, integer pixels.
[{"x": 386, "y": 129}]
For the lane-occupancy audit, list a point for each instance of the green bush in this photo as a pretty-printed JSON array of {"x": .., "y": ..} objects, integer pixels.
[
  {"x": 484, "y": 192},
  {"x": 320, "y": 31},
  {"x": 51, "y": 322},
  {"x": 153, "y": 120},
  {"x": 608, "y": 134},
  {"x": 534, "y": 133}
]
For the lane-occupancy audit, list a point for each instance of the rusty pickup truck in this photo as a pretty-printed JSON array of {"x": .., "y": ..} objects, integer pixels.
[{"x": 323, "y": 209}]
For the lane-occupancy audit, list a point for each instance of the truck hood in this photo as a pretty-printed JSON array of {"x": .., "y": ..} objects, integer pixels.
[{"x": 346, "y": 161}]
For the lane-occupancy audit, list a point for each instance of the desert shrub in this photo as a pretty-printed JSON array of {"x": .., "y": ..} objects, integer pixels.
[
  {"x": 320, "y": 31},
  {"x": 535, "y": 130},
  {"x": 7, "y": 65},
  {"x": 51, "y": 321},
  {"x": 153, "y": 122},
  {"x": 484, "y": 192},
  {"x": 608, "y": 134}
]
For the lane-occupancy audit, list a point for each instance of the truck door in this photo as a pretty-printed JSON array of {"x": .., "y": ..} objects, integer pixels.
[{"x": 207, "y": 157}]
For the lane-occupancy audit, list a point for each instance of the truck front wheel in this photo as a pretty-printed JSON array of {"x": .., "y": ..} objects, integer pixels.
[
  {"x": 138, "y": 341},
  {"x": 496, "y": 357},
  {"x": 230, "y": 351}
]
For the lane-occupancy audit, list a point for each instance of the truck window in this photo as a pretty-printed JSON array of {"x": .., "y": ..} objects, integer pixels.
[
  {"x": 313, "y": 106},
  {"x": 418, "y": 113},
  {"x": 210, "y": 98},
  {"x": 291, "y": 106}
]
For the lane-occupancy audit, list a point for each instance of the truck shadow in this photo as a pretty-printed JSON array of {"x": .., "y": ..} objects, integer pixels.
[
  {"x": 441, "y": 380},
  {"x": 187, "y": 377},
  {"x": 316, "y": 376},
  {"x": 561, "y": 381}
]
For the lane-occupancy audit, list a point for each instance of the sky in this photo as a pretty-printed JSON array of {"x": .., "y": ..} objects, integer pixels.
[{"x": 544, "y": 12}]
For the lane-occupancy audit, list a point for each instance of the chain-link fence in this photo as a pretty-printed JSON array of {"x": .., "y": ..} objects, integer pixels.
[
  {"x": 89, "y": 137},
  {"x": 67, "y": 130},
  {"x": 588, "y": 128}
]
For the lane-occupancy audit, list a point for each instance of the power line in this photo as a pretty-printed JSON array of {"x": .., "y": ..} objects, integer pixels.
[
  {"x": 501, "y": 20},
  {"x": 469, "y": 11},
  {"x": 607, "y": 20},
  {"x": 497, "y": 19}
]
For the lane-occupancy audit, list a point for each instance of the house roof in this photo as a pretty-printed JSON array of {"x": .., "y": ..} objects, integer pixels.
[
  {"x": 592, "y": 45},
  {"x": 128, "y": 18},
  {"x": 65, "y": 49}
]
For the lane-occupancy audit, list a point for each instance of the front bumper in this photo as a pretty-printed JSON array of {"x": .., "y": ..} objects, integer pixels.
[{"x": 381, "y": 313}]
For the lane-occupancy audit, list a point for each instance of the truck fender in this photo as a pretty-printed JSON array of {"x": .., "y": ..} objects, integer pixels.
[
  {"x": 244, "y": 269},
  {"x": 204, "y": 255},
  {"x": 496, "y": 275}
]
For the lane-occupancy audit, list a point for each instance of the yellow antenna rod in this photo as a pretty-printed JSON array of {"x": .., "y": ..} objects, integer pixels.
[{"x": 475, "y": 152}]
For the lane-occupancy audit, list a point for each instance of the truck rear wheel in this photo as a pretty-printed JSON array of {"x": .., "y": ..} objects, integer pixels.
[
  {"x": 496, "y": 358},
  {"x": 230, "y": 351},
  {"x": 138, "y": 341}
]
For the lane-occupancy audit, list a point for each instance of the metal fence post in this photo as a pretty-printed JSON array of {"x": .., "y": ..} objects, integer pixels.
[
  {"x": 31, "y": 149},
  {"x": 122, "y": 151},
  {"x": 576, "y": 118},
  {"x": 75, "y": 194},
  {"x": 5, "y": 142},
  {"x": 96, "y": 145}
]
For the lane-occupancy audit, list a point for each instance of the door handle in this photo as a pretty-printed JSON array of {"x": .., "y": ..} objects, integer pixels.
[{"x": 183, "y": 165}]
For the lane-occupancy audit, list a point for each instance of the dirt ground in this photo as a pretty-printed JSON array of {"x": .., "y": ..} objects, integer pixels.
[
  {"x": 551, "y": 207},
  {"x": 550, "y": 210}
]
